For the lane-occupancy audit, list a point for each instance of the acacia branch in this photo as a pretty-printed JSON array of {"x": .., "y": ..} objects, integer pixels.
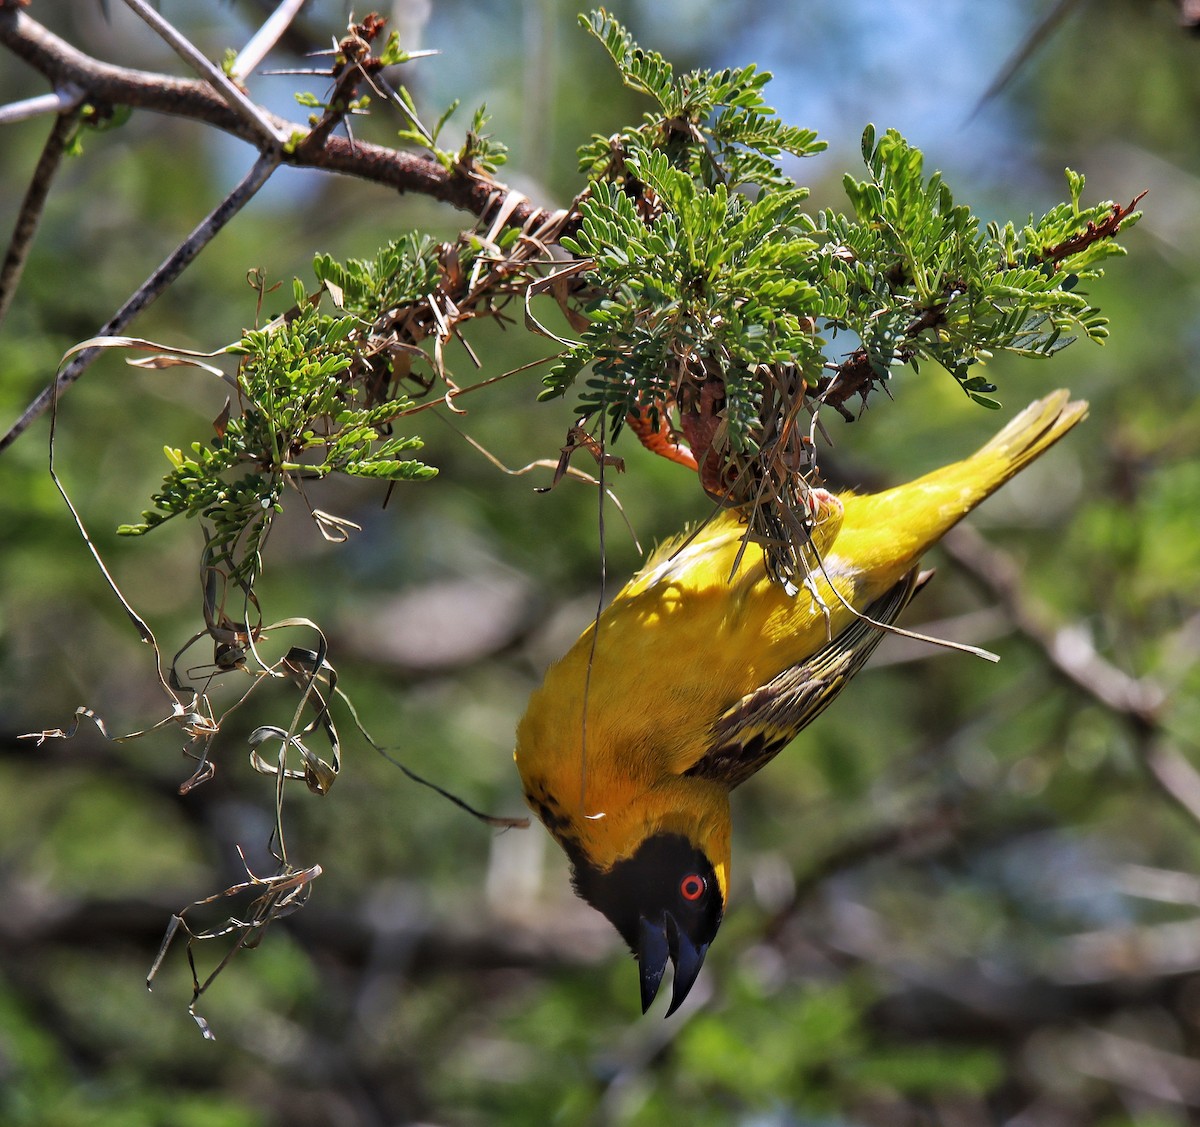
[
  {"x": 108, "y": 85},
  {"x": 104, "y": 86}
]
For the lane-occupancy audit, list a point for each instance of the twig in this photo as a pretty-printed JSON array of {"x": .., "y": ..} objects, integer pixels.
[
  {"x": 34, "y": 202},
  {"x": 146, "y": 293},
  {"x": 59, "y": 102},
  {"x": 1034, "y": 39},
  {"x": 295, "y": 39},
  {"x": 1166, "y": 1076},
  {"x": 265, "y": 38},
  {"x": 106, "y": 84},
  {"x": 924, "y": 831},
  {"x": 352, "y": 69},
  {"x": 856, "y": 375},
  {"x": 1068, "y": 649},
  {"x": 1174, "y": 774},
  {"x": 217, "y": 78},
  {"x": 1107, "y": 228},
  {"x": 1071, "y": 653}
]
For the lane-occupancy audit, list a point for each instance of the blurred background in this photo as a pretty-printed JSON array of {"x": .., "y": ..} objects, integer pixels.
[{"x": 967, "y": 896}]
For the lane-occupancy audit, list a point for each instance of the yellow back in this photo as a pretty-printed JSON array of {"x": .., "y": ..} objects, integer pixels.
[{"x": 682, "y": 641}]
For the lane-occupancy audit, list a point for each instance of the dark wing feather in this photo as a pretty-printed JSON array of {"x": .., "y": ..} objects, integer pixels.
[{"x": 752, "y": 732}]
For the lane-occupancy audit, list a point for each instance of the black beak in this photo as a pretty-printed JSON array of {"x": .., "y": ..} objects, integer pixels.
[{"x": 657, "y": 942}]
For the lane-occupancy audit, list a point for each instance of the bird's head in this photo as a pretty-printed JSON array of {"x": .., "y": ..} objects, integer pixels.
[{"x": 666, "y": 901}]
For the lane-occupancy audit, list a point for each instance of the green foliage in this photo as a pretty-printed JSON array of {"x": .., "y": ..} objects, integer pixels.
[
  {"x": 693, "y": 281},
  {"x": 714, "y": 126},
  {"x": 716, "y": 274},
  {"x": 779, "y": 1056},
  {"x": 480, "y": 149},
  {"x": 96, "y": 119},
  {"x": 401, "y": 272},
  {"x": 704, "y": 270},
  {"x": 913, "y": 278},
  {"x": 926, "y": 1070},
  {"x": 305, "y": 409}
]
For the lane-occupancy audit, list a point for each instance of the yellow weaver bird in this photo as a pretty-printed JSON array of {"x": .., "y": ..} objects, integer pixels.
[{"x": 696, "y": 675}]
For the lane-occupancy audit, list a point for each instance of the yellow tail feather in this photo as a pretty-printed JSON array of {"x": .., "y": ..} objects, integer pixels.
[{"x": 888, "y": 532}]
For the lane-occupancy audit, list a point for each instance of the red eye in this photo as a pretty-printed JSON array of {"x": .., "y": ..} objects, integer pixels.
[{"x": 692, "y": 887}]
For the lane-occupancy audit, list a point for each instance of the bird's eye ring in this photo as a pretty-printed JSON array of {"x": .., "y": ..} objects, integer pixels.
[{"x": 692, "y": 886}]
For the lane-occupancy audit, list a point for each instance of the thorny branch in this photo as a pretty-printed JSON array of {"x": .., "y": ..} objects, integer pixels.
[
  {"x": 104, "y": 86},
  {"x": 1093, "y": 233},
  {"x": 86, "y": 86},
  {"x": 348, "y": 77},
  {"x": 110, "y": 85}
]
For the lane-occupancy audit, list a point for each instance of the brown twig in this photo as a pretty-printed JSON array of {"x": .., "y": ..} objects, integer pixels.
[
  {"x": 149, "y": 290},
  {"x": 354, "y": 66},
  {"x": 111, "y": 85},
  {"x": 856, "y": 374},
  {"x": 1107, "y": 228},
  {"x": 32, "y": 206}
]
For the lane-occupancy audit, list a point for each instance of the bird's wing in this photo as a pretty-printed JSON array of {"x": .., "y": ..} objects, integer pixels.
[{"x": 755, "y": 729}]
